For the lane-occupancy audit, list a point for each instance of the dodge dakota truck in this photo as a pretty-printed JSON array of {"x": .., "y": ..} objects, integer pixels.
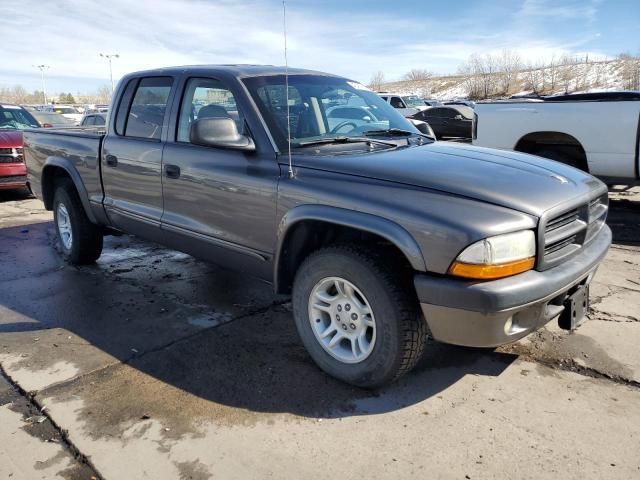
[{"x": 381, "y": 235}]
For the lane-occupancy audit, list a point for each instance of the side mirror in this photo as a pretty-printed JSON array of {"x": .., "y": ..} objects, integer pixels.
[{"x": 219, "y": 132}]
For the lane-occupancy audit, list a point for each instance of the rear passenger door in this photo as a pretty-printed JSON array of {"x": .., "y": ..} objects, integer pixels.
[{"x": 132, "y": 156}]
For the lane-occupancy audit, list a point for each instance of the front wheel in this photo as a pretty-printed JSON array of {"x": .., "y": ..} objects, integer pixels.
[
  {"x": 80, "y": 240},
  {"x": 356, "y": 317}
]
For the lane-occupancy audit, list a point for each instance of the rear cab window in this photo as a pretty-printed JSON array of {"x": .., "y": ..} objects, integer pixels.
[{"x": 146, "y": 115}]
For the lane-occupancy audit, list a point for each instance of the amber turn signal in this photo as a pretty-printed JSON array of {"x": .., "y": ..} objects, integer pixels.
[{"x": 491, "y": 272}]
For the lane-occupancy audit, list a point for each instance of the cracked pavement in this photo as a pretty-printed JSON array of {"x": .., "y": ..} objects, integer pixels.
[{"x": 151, "y": 364}]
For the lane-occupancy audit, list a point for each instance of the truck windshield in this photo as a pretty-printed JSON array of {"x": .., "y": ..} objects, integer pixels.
[
  {"x": 322, "y": 107},
  {"x": 413, "y": 101},
  {"x": 13, "y": 117}
]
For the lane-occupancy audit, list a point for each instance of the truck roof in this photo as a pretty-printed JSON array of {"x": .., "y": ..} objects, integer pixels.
[{"x": 235, "y": 70}]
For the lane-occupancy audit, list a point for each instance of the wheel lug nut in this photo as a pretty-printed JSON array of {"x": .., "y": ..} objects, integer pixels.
[
  {"x": 354, "y": 316},
  {"x": 353, "y": 327},
  {"x": 347, "y": 307},
  {"x": 339, "y": 308},
  {"x": 344, "y": 327},
  {"x": 338, "y": 317}
]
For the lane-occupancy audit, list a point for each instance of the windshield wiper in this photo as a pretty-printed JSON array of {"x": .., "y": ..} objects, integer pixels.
[
  {"x": 395, "y": 132},
  {"x": 334, "y": 140}
]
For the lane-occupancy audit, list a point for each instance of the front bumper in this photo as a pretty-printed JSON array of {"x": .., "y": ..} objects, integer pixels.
[
  {"x": 13, "y": 175},
  {"x": 488, "y": 314}
]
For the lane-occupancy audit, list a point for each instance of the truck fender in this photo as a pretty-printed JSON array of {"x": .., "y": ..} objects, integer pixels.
[
  {"x": 373, "y": 224},
  {"x": 68, "y": 167}
]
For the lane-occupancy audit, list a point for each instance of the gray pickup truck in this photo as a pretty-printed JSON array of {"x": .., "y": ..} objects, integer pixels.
[{"x": 381, "y": 235}]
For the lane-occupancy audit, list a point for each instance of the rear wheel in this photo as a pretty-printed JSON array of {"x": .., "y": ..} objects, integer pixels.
[
  {"x": 356, "y": 317},
  {"x": 80, "y": 240}
]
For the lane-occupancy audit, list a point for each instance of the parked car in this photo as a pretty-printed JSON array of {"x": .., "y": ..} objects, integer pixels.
[
  {"x": 595, "y": 132},
  {"x": 95, "y": 108},
  {"x": 52, "y": 120},
  {"x": 379, "y": 234},
  {"x": 68, "y": 111},
  {"x": 423, "y": 126},
  {"x": 13, "y": 120},
  {"x": 466, "y": 103},
  {"x": 94, "y": 120},
  {"x": 407, "y": 105},
  {"x": 448, "y": 121},
  {"x": 429, "y": 102}
]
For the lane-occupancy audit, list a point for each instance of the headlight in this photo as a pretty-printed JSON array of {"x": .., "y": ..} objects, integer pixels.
[{"x": 497, "y": 257}]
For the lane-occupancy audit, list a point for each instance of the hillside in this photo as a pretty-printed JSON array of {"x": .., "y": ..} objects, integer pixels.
[{"x": 549, "y": 80}]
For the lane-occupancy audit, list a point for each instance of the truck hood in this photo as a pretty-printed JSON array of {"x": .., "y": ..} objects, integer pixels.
[
  {"x": 10, "y": 139},
  {"x": 522, "y": 182}
]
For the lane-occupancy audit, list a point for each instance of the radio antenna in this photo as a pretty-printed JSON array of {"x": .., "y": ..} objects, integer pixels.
[{"x": 286, "y": 85}]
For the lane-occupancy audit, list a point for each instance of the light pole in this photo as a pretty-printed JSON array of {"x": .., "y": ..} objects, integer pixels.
[
  {"x": 109, "y": 56},
  {"x": 42, "y": 68}
]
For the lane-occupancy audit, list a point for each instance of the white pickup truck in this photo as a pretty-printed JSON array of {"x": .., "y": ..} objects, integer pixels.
[{"x": 596, "y": 132}]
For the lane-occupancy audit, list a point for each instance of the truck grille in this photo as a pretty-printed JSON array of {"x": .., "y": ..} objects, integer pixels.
[
  {"x": 11, "y": 155},
  {"x": 567, "y": 232}
]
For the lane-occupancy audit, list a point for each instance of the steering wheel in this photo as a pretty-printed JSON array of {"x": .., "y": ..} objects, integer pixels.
[{"x": 341, "y": 125}]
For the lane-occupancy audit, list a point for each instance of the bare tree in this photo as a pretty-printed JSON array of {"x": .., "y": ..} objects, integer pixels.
[
  {"x": 471, "y": 79},
  {"x": 553, "y": 69},
  {"x": 377, "y": 80},
  {"x": 567, "y": 72},
  {"x": 630, "y": 71},
  {"x": 600, "y": 72},
  {"x": 509, "y": 65},
  {"x": 103, "y": 95},
  {"x": 534, "y": 77},
  {"x": 418, "y": 74}
]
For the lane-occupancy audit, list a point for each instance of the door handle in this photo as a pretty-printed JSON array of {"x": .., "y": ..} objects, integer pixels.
[
  {"x": 112, "y": 160},
  {"x": 172, "y": 171}
]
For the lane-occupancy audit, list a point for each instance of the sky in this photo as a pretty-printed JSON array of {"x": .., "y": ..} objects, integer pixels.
[{"x": 353, "y": 38}]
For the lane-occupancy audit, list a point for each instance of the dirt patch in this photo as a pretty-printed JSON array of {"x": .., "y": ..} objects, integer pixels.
[
  {"x": 571, "y": 352},
  {"x": 195, "y": 470}
]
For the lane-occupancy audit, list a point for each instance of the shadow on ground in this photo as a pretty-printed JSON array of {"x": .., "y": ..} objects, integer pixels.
[
  {"x": 14, "y": 195},
  {"x": 624, "y": 219},
  {"x": 150, "y": 308}
]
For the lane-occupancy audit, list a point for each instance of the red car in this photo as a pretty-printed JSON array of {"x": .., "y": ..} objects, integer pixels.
[{"x": 13, "y": 171}]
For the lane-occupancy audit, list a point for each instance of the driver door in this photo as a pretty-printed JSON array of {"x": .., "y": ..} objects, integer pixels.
[{"x": 219, "y": 203}]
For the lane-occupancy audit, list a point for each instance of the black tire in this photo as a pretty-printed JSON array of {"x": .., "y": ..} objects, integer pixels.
[
  {"x": 86, "y": 237},
  {"x": 401, "y": 332}
]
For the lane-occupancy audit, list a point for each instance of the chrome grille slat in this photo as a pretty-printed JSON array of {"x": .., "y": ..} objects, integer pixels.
[
  {"x": 11, "y": 155},
  {"x": 561, "y": 233},
  {"x": 566, "y": 233},
  {"x": 562, "y": 220}
]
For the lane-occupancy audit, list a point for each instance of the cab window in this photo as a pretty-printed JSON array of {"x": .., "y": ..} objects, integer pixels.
[
  {"x": 147, "y": 112},
  {"x": 396, "y": 102},
  {"x": 206, "y": 98}
]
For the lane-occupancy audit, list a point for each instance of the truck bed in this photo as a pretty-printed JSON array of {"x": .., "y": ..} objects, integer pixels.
[
  {"x": 76, "y": 149},
  {"x": 606, "y": 128}
]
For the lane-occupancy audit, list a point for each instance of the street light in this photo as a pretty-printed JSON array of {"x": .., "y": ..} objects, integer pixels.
[
  {"x": 42, "y": 68},
  {"x": 109, "y": 56}
]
